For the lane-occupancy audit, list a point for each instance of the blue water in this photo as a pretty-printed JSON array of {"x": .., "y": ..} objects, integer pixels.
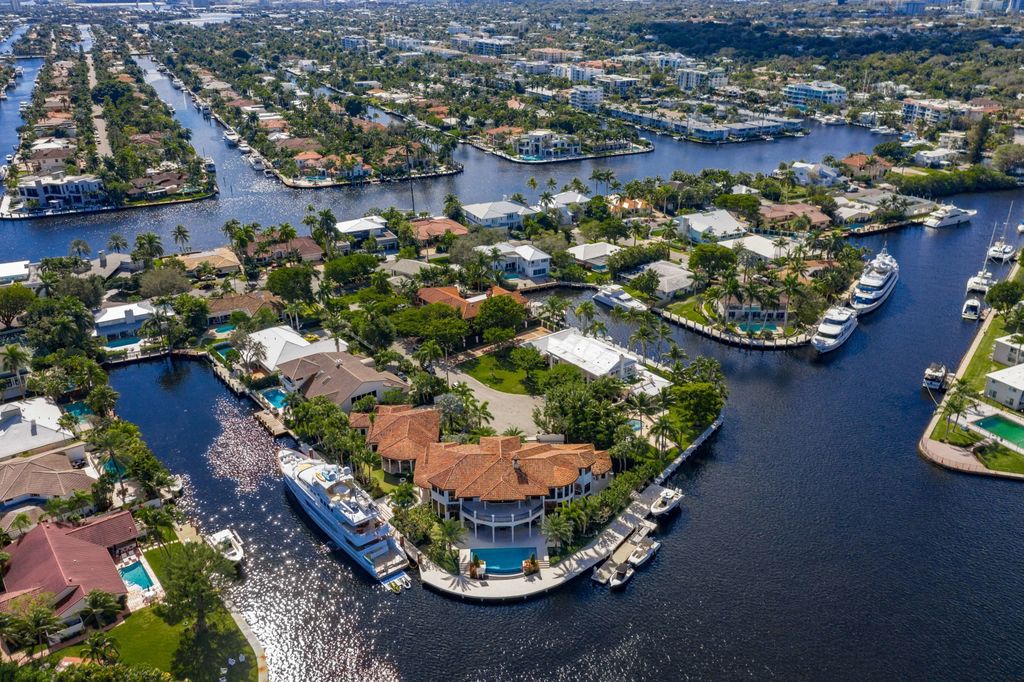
[
  {"x": 222, "y": 349},
  {"x": 136, "y": 574},
  {"x": 504, "y": 560},
  {"x": 79, "y": 409},
  {"x": 276, "y": 397},
  {"x": 635, "y": 424},
  {"x": 756, "y": 327},
  {"x": 118, "y": 343},
  {"x": 224, "y": 328}
]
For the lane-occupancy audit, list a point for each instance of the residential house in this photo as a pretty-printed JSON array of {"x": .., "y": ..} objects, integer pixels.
[
  {"x": 400, "y": 434},
  {"x": 562, "y": 204},
  {"x": 283, "y": 344},
  {"x": 596, "y": 358},
  {"x": 503, "y": 485},
  {"x": 817, "y": 174},
  {"x": 222, "y": 259},
  {"x": 122, "y": 321},
  {"x": 710, "y": 226},
  {"x": 732, "y": 310},
  {"x": 519, "y": 258},
  {"x": 158, "y": 184},
  {"x": 60, "y": 191},
  {"x": 66, "y": 562},
  {"x": 373, "y": 227},
  {"x": 935, "y": 158},
  {"x": 759, "y": 247},
  {"x": 31, "y": 426},
  {"x": 343, "y": 378},
  {"x": 467, "y": 307},
  {"x": 804, "y": 93},
  {"x": 874, "y": 167},
  {"x": 221, "y": 308},
  {"x": 673, "y": 279},
  {"x": 775, "y": 215},
  {"x": 430, "y": 230},
  {"x": 593, "y": 256},
  {"x": 1007, "y": 352},
  {"x": 547, "y": 144},
  {"x": 1006, "y": 386},
  {"x": 497, "y": 214},
  {"x": 33, "y": 480},
  {"x": 267, "y": 249},
  {"x": 20, "y": 271}
]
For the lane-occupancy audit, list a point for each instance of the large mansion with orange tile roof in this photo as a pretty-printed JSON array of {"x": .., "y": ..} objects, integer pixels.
[
  {"x": 504, "y": 484},
  {"x": 467, "y": 307},
  {"x": 400, "y": 434}
]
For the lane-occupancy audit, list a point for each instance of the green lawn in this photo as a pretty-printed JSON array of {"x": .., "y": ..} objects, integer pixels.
[
  {"x": 954, "y": 436},
  {"x": 1000, "y": 458},
  {"x": 690, "y": 309},
  {"x": 981, "y": 364},
  {"x": 386, "y": 481},
  {"x": 147, "y": 639},
  {"x": 497, "y": 372}
]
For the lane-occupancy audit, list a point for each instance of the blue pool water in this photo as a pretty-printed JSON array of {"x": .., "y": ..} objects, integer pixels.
[
  {"x": 757, "y": 327},
  {"x": 136, "y": 574},
  {"x": 503, "y": 560},
  {"x": 635, "y": 424},
  {"x": 79, "y": 409},
  {"x": 276, "y": 397},
  {"x": 224, "y": 328},
  {"x": 114, "y": 468},
  {"x": 222, "y": 349},
  {"x": 118, "y": 343}
]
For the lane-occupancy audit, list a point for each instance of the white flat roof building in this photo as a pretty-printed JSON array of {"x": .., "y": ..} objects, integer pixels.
[
  {"x": 15, "y": 271},
  {"x": 711, "y": 226},
  {"x": 760, "y": 246},
  {"x": 1006, "y": 386},
  {"x": 283, "y": 344},
  {"x": 596, "y": 358},
  {"x": 31, "y": 425}
]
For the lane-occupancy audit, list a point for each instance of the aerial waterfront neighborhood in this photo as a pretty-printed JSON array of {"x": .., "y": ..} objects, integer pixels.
[{"x": 345, "y": 340}]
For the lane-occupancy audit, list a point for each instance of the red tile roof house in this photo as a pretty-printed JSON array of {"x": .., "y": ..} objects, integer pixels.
[
  {"x": 67, "y": 562},
  {"x": 429, "y": 230},
  {"x": 265, "y": 250},
  {"x": 467, "y": 307},
  {"x": 400, "y": 434},
  {"x": 505, "y": 485}
]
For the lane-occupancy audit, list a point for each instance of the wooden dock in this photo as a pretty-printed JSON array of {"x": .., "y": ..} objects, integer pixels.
[
  {"x": 604, "y": 572},
  {"x": 271, "y": 423}
]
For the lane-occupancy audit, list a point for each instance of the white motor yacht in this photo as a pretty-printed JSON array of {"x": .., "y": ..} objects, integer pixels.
[
  {"x": 227, "y": 543},
  {"x": 666, "y": 502},
  {"x": 1020, "y": 227},
  {"x": 244, "y": 147},
  {"x": 935, "y": 377},
  {"x": 231, "y": 137},
  {"x": 255, "y": 161},
  {"x": 621, "y": 576},
  {"x": 615, "y": 296},
  {"x": 948, "y": 215},
  {"x": 209, "y": 164},
  {"x": 981, "y": 282},
  {"x": 834, "y": 329},
  {"x": 344, "y": 512},
  {"x": 643, "y": 553},
  {"x": 971, "y": 309},
  {"x": 876, "y": 283}
]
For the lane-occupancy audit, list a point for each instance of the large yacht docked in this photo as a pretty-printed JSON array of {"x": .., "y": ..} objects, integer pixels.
[
  {"x": 948, "y": 215},
  {"x": 835, "y": 329},
  {"x": 342, "y": 510},
  {"x": 615, "y": 296},
  {"x": 876, "y": 283}
]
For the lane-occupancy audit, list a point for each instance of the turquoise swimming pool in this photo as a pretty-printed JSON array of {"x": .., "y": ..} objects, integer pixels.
[
  {"x": 503, "y": 560},
  {"x": 78, "y": 410},
  {"x": 635, "y": 424},
  {"x": 1007, "y": 429},
  {"x": 120, "y": 343},
  {"x": 276, "y": 397},
  {"x": 224, "y": 328},
  {"x": 222, "y": 349},
  {"x": 136, "y": 574},
  {"x": 756, "y": 327}
]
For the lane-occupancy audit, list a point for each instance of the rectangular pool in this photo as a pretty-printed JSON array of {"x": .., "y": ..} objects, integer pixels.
[
  {"x": 276, "y": 397},
  {"x": 503, "y": 560},
  {"x": 79, "y": 410},
  {"x": 136, "y": 574},
  {"x": 224, "y": 328},
  {"x": 120, "y": 343},
  {"x": 1007, "y": 429}
]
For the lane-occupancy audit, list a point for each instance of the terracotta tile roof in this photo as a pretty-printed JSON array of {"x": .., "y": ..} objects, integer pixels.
[
  {"x": 432, "y": 228},
  {"x": 451, "y": 296},
  {"x": 504, "y": 469},
  {"x": 305, "y": 247},
  {"x": 68, "y": 561},
  {"x": 400, "y": 432},
  {"x": 782, "y": 212},
  {"x": 298, "y": 144},
  {"x": 366, "y": 125},
  {"x": 249, "y": 303},
  {"x": 47, "y": 475},
  {"x": 860, "y": 161}
]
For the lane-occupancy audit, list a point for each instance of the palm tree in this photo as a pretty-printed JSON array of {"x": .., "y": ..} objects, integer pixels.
[
  {"x": 663, "y": 429},
  {"x": 403, "y": 497},
  {"x": 13, "y": 359},
  {"x": 558, "y": 529},
  {"x": 790, "y": 287},
  {"x": 101, "y": 648},
  {"x": 21, "y": 523},
  {"x": 642, "y": 337},
  {"x": 553, "y": 309},
  {"x": 99, "y": 608},
  {"x": 428, "y": 353},
  {"x": 79, "y": 248},
  {"x": 532, "y": 183},
  {"x": 181, "y": 237},
  {"x": 294, "y": 311},
  {"x": 447, "y": 533},
  {"x": 40, "y": 623},
  {"x": 640, "y": 404},
  {"x": 586, "y": 312},
  {"x": 117, "y": 243},
  {"x": 102, "y": 400},
  {"x": 148, "y": 246}
]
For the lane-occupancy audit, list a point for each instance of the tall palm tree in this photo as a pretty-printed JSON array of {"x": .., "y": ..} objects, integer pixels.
[
  {"x": 558, "y": 529},
  {"x": 117, "y": 243},
  {"x": 428, "y": 353},
  {"x": 40, "y": 623},
  {"x": 640, "y": 404},
  {"x": 79, "y": 248},
  {"x": 181, "y": 237},
  {"x": 99, "y": 608},
  {"x": 99, "y": 647},
  {"x": 586, "y": 312},
  {"x": 663, "y": 430},
  {"x": 447, "y": 533},
  {"x": 13, "y": 359},
  {"x": 149, "y": 246},
  {"x": 642, "y": 337},
  {"x": 102, "y": 400},
  {"x": 403, "y": 497},
  {"x": 789, "y": 287},
  {"x": 21, "y": 523}
]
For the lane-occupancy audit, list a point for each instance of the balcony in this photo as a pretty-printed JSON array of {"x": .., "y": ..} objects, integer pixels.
[{"x": 506, "y": 513}]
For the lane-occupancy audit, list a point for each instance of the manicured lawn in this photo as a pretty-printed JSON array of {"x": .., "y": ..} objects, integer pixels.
[
  {"x": 1000, "y": 458},
  {"x": 689, "y": 309},
  {"x": 981, "y": 364},
  {"x": 955, "y": 436},
  {"x": 497, "y": 372},
  {"x": 386, "y": 481},
  {"x": 143, "y": 639}
]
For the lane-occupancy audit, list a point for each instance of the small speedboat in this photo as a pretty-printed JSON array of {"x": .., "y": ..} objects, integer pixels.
[
  {"x": 1020, "y": 228},
  {"x": 971, "y": 309},
  {"x": 666, "y": 502},
  {"x": 227, "y": 543},
  {"x": 9, "y": 157},
  {"x": 244, "y": 147},
  {"x": 622, "y": 575},
  {"x": 643, "y": 553},
  {"x": 935, "y": 377}
]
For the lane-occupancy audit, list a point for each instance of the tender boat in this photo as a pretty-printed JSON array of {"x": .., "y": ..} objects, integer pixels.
[
  {"x": 1020, "y": 228},
  {"x": 836, "y": 327},
  {"x": 876, "y": 283},
  {"x": 268, "y": 173},
  {"x": 254, "y": 161},
  {"x": 666, "y": 502},
  {"x": 227, "y": 543},
  {"x": 643, "y": 553},
  {"x": 935, "y": 377},
  {"x": 971, "y": 309},
  {"x": 981, "y": 282},
  {"x": 616, "y": 297},
  {"x": 948, "y": 215},
  {"x": 244, "y": 147},
  {"x": 231, "y": 137},
  {"x": 209, "y": 164},
  {"x": 9, "y": 158},
  {"x": 622, "y": 575},
  {"x": 344, "y": 512}
]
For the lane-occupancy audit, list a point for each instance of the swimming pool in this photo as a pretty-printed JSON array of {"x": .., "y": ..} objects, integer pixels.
[
  {"x": 635, "y": 424},
  {"x": 137, "y": 575},
  {"x": 117, "y": 469},
  {"x": 504, "y": 560},
  {"x": 222, "y": 349},
  {"x": 756, "y": 327},
  {"x": 119, "y": 343},
  {"x": 224, "y": 328},
  {"x": 1007, "y": 429},
  {"x": 78, "y": 410},
  {"x": 276, "y": 397}
]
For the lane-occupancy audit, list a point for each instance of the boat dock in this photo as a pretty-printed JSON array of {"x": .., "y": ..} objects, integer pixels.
[
  {"x": 603, "y": 573},
  {"x": 271, "y": 423}
]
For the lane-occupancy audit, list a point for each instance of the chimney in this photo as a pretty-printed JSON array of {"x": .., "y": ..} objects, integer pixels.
[
  {"x": 103, "y": 258},
  {"x": 515, "y": 463},
  {"x": 129, "y": 316},
  {"x": 33, "y": 428}
]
